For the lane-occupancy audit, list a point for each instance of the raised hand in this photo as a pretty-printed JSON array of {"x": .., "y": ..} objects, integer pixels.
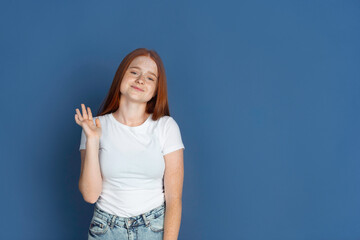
[{"x": 86, "y": 122}]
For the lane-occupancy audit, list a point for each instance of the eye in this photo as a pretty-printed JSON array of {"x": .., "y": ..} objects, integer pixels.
[
  {"x": 151, "y": 79},
  {"x": 134, "y": 72}
]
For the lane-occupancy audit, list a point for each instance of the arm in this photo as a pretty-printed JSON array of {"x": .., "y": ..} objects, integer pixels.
[
  {"x": 90, "y": 182},
  {"x": 173, "y": 184}
]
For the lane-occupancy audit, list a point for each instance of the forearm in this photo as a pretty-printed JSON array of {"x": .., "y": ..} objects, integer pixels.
[
  {"x": 90, "y": 182},
  {"x": 172, "y": 219}
]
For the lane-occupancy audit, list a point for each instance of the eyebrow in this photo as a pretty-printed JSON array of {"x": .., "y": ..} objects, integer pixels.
[{"x": 140, "y": 69}]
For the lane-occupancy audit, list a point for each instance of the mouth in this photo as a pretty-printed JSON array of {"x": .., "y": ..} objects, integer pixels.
[{"x": 137, "y": 88}]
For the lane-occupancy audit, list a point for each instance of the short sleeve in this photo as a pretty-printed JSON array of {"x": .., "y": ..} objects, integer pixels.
[
  {"x": 172, "y": 137},
  {"x": 83, "y": 138}
]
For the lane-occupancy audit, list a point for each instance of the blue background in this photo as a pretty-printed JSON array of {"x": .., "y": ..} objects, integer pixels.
[{"x": 266, "y": 94}]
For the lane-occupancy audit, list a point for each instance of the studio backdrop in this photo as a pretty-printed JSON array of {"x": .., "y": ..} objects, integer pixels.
[{"x": 266, "y": 95}]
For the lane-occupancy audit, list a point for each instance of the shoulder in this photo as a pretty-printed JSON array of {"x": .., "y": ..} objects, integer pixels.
[
  {"x": 103, "y": 118},
  {"x": 166, "y": 120},
  {"x": 167, "y": 124}
]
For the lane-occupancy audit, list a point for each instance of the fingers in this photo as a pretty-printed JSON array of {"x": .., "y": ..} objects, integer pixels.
[
  {"x": 90, "y": 113},
  {"x": 77, "y": 119},
  {"x": 85, "y": 116},
  {"x": 79, "y": 114}
]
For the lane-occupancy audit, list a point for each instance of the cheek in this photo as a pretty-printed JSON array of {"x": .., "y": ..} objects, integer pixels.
[
  {"x": 126, "y": 81},
  {"x": 153, "y": 87},
  {"x": 123, "y": 85},
  {"x": 153, "y": 92}
]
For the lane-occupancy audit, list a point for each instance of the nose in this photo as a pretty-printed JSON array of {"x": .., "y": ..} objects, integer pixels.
[{"x": 140, "y": 79}]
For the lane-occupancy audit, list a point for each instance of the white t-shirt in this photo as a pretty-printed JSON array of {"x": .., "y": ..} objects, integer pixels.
[{"x": 132, "y": 163}]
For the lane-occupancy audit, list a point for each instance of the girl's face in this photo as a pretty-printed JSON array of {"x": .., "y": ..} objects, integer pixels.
[{"x": 142, "y": 74}]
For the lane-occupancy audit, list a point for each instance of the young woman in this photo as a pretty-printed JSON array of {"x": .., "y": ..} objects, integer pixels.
[{"x": 132, "y": 155}]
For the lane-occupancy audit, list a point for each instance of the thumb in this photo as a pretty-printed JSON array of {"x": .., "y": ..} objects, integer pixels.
[{"x": 97, "y": 122}]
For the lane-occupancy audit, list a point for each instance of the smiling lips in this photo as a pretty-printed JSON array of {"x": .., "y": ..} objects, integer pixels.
[{"x": 137, "y": 88}]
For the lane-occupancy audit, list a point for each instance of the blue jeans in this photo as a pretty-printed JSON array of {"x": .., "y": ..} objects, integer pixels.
[{"x": 106, "y": 226}]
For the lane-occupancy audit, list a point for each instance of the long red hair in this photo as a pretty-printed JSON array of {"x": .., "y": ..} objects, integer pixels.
[{"x": 158, "y": 105}]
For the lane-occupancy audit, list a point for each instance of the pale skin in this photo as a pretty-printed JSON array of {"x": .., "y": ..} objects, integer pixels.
[{"x": 141, "y": 73}]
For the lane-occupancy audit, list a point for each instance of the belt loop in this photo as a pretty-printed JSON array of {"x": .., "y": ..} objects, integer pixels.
[
  {"x": 145, "y": 219},
  {"x": 112, "y": 221}
]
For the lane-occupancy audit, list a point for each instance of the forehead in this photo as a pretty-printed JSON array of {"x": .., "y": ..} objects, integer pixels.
[{"x": 145, "y": 63}]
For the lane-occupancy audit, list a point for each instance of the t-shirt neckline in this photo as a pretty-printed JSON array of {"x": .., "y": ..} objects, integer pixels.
[{"x": 130, "y": 127}]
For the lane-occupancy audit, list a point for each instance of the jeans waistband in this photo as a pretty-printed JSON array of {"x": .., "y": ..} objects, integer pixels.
[{"x": 134, "y": 220}]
